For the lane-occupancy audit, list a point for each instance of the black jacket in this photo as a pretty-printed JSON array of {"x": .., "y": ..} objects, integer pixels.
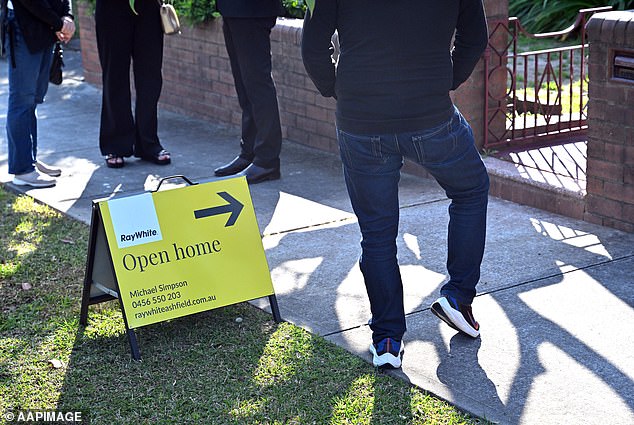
[
  {"x": 397, "y": 62},
  {"x": 249, "y": 8},
  {"x": 39, "y": 20}
]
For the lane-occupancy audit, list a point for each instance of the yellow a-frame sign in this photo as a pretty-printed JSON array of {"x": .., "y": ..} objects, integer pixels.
[{"x": 177, "y": 252}]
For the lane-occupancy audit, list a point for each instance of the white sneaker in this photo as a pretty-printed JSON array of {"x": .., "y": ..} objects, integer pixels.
[
  {"x": 34, "y": 178},
  {"x": 458, "y": 316},
  {"x": 387, "y": 354},
  {"x": 48, "y": 169}
]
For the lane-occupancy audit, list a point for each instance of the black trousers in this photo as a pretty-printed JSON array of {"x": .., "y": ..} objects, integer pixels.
[
  {"x": 122, "y": 38},
  {"x": 248, "y": 44}
]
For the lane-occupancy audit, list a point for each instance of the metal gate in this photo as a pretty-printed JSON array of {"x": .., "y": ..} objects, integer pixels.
[{"x": 539, "y": 97}]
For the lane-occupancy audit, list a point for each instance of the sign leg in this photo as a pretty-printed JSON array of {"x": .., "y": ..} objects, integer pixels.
[
  {"x": 92, "y": 242},
  {"x": 275, "y": 309},
  {"x": 134, "y": 346}
]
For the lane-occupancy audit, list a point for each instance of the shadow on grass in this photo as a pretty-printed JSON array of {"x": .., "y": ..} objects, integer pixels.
[
  {"x": 210, "y": 368},
  {"x": 204, "y": 368}
]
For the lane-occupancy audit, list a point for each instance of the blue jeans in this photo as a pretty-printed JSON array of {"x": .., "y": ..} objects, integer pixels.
[
  {"x": 28, "y": 83},
  {"x": 371, "y": 166}
]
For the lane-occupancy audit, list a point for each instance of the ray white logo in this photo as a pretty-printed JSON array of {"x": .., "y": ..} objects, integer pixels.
[
  {"x": 134, "y": 220},
  {"x": 139, "y": 234}
]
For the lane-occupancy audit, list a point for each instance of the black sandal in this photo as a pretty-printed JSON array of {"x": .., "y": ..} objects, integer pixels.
[
  {"x": 156, "y": 159},
  {"x": 114, "y": 161}
]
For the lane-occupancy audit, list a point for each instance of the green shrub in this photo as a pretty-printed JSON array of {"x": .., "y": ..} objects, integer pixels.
[
  {"x": 196, "y": 11},
  {"x": 295, "y": 8},
  {"x": 539, "y": 16}
]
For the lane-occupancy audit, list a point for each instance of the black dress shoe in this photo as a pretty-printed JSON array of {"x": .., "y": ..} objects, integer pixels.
[
  {"x": 234, "y": 167},
  {"x": 257, "y": 174}
]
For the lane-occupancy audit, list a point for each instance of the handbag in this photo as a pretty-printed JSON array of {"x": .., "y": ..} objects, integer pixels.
[
  {"x": 169, "y": 19},
  {"x": 55, "y": 75}
]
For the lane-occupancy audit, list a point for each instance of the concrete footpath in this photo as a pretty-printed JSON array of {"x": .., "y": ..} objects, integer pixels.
[{"x": 555, "y": 303}]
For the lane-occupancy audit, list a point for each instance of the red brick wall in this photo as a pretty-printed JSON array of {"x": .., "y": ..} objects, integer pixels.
[
  {"x": 89, "y": 57},
  {"x": 610, "y": 172},
  {"x": 198, "y": 81}
]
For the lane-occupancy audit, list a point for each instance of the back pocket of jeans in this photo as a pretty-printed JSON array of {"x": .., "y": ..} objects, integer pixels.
[{"x": 435, "y": 146}]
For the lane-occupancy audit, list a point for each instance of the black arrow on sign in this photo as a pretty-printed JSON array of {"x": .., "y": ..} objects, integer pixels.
[{"x": 234, "y": 207}]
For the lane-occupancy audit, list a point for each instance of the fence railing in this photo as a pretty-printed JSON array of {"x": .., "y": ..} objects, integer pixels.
[{"x": 536, "y": 97}]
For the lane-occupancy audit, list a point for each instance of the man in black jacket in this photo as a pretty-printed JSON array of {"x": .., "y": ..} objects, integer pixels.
[
  {"x": 247, "y": 27},
  {"x": 30, "y": 29},
  {"x": 392, "y": 81}
]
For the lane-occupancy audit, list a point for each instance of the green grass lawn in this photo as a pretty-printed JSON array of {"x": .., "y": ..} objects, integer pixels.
[{"x": 207, "y": 368}]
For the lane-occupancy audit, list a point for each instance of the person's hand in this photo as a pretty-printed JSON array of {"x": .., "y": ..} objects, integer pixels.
[{"x": 67, "y": 31}]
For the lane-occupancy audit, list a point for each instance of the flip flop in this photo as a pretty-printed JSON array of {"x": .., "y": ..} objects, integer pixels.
[
  {"x": 156, "y": 159},
  {"x": 114, "y": 161}
]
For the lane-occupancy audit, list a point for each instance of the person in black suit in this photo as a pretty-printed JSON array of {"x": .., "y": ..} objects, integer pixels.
[{"x": 247, "y": 28}]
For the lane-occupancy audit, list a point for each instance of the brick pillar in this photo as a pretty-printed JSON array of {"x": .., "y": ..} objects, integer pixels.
[
  {"x": 471, "y": 96},
  {"x": 610, "y": 171}
]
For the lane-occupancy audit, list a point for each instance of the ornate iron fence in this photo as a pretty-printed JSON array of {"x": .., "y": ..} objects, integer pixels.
[{"x": 537, "y": 97}]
